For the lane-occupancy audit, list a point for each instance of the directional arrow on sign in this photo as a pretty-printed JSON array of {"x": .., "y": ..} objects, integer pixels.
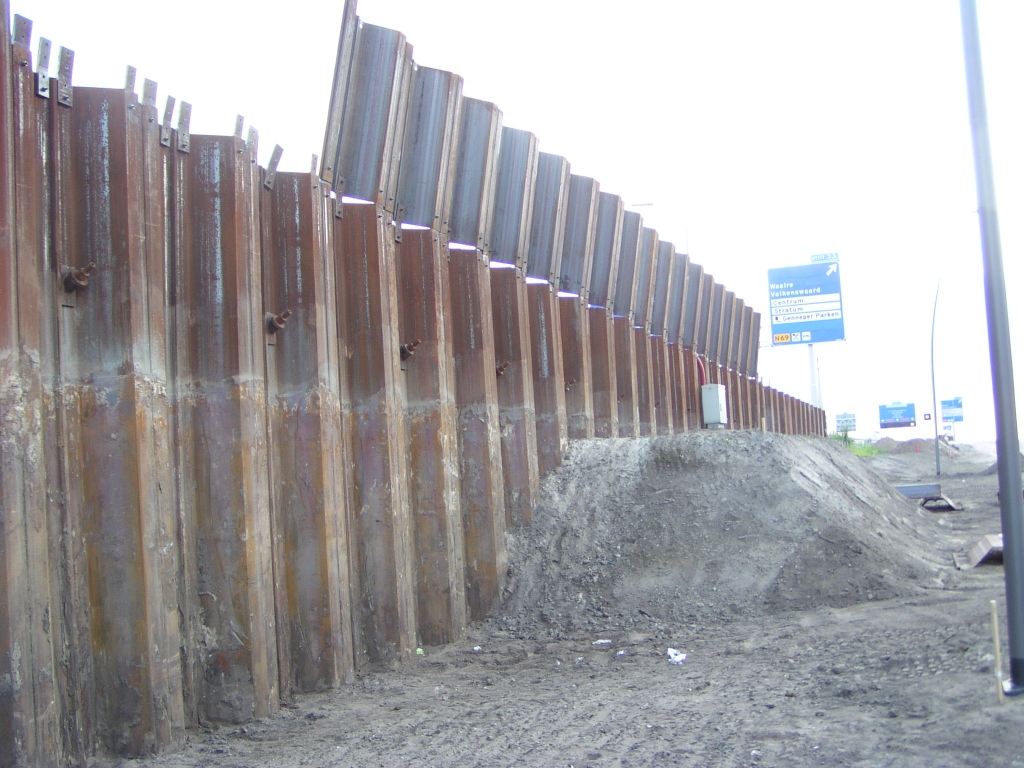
[{"x": 831, "y": 269}]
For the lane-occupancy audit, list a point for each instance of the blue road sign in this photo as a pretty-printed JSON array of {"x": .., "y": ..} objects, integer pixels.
[
  {"x": 896, "y": 415},
  {"x": 806, "y": 302},
  {"x": 953, "y": 410}
]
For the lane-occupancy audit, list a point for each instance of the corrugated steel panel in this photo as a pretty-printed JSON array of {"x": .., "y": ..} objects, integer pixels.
[
  {"x": 715, "y": 327},
  {"x": 369, "y": 148},
  {"x": 748, "y": 326},
  {"x": 339, "y": 87},
  {"x": 694, "y": 293},
  {"x": 629, "y": 257},
  {"x": 428, "y": 156},
  {"x": 728, "y": 328},
  {"x": 513, "y": 197},
  {"x": 476, "y": 172},
  {"x": 580, "y": 224},
  {"x": 645, "y": 279},
  {"x": 664, "y": 277},
  {"x": 755, "y": 345},
  {"x": 548, "y": 226},
  {"x": 737, "y": 334},
  {"x": 677, "y": 299},
  {"x": 607, "y": 247}
]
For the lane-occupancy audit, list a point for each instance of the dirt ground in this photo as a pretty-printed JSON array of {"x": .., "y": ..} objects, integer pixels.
[{"x": 822, "y": 621}]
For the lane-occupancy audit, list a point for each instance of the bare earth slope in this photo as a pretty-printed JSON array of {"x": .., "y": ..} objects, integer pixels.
[{"x": 710, "y": 526}]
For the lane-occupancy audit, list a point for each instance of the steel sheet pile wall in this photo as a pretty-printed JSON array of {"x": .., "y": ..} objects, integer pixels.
[{"x": 255, "y": 436}]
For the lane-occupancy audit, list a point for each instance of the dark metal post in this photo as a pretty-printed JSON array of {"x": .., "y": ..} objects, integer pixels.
[
  {"x": 1007, "y": 443},
  {"x": 935, "y": 411}
]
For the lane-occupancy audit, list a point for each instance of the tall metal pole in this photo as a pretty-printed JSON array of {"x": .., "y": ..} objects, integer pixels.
[
  {"x": 935, "y": 413},
  {"x": 814, "y": 376},
  {"x": 1007, "y": 444}
]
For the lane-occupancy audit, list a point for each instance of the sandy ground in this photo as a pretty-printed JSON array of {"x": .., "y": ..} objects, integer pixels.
[{"x": 822, "y": 623}]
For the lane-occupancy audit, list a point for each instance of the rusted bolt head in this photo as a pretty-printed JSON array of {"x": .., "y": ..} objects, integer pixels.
[
  {"x": 276, "y": 322},
  {"x": 76, "y": 279},
  {"x": 405, "y": 350}
]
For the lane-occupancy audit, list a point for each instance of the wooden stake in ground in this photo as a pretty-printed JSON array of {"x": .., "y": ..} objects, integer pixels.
[{"x": 998, "y": 653}]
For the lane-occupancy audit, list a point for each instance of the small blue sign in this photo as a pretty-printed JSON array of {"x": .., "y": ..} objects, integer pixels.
[
  {"x": 806, "y": 302},
  {"x": 896, "y": 415},
  {"x": 953, "y": 410}
]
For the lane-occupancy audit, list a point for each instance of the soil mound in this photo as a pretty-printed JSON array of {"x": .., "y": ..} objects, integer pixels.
[{"x": 639, "y": 534}]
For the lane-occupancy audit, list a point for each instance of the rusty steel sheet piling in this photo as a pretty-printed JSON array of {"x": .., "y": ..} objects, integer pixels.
[
  {"x": 116, "y": 394},
  {"x": 476, "y": 388},
  {"x": 603, "y": 278},
  {"x": 369, "y": 136},
  {"x": 547, "y": 232},
  {"x": 645, "y": 382},
  {"x": 548, "y": 375},
  {"x": 28, "y": 715},
  {"x": 693, "y": 322},
  {"x": 678, "y": 384},
  {"x": 574, "y": 289},
  {"x": 256, "y": 437},
  {"x": 664, "y": 279},
  {"x": 630, "y": 243},
  {"x": 221, "y": 423},
  {"x": 476, "y": 397},
  {"x": 517, "y": 414},
  {"x": 725, "y": 347},
  {"x": 384, "y": 610},
  {"x": 426, "y": 328},
  {"x": 68, "y": 559},
  {"x": 732, "y": 362},
  {"x": 310, "y": 511},
  {"x": 424, "y": 200},
  {"x": 748, "y": 376},
  {"x": 513, "y": 211}
]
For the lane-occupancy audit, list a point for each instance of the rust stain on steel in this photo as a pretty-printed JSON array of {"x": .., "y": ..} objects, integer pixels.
[
  {"x": 548, "y": 375},
  {"x": 425, "y": 315},
  {"x": 384, "y": 611},
  {"x": 645, "y": 383},
  {"x": 579, "y": 404},
  {"x": 115, "y": 397},
  {"x": 28, "y": 721},
  {"x": 661, "y": 381},
  {"x": 626, "y": 377},
  {"x": 308, "y": 503},
  {"x": 604, "y": 373},
  {"x": 476, "y": 397},
  {"x": 222, "y": 431},
  {"x": 78, "y": 725},
  {"x": 692, "y": 379},
  {"x": 677, "y": 387},
  {"x": 517, "y": 415}
]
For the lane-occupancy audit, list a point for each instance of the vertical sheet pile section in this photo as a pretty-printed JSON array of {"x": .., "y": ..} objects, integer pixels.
[
  {"x": 476, "y": 389},
  {"x": 664, "y": 280},
  {"x": 513, "y": 212},
  {"x": 425, "y": 327},
  {"x": 626, "y": 380},
  {"x": 573, "y": 290},
  {"x": 603, "y": 279},
  {"x": 547, "y": 232},
  {"x": 306, "y": 446}
]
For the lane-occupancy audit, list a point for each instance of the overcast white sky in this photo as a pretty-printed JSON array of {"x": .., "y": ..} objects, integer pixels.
[{"x": 761, "y": 133}]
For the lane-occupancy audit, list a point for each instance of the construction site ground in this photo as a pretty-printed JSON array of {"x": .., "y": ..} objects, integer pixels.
[{"x": 820, "y": 613}]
